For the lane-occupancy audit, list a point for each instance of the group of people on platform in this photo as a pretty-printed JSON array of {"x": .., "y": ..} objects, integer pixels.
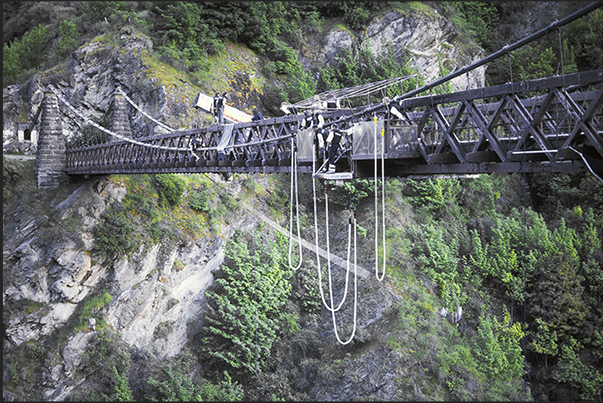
[{"x": 327, "y": 143}]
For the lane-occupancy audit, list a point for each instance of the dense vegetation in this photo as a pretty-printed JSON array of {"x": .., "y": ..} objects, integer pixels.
[
  {"x": 574, "y": 47},
  {"x": 523, "y": 259},
  {"x": 539, "y": 266},
  {"x": 246, "y": 305},
  {"x": 184, "y": 34}
]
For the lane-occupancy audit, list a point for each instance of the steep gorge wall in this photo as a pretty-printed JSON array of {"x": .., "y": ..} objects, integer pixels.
[
  {"x": 429, "y": 40},
  {"x": 90, "y": 78},
  {"x": 155, "y": 291}
]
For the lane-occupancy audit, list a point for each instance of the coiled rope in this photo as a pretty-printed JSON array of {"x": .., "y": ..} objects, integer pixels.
[
  {"x": 331, "y": 306},
  {"x": 322, "y": 296},
  {"x": 346, "y": 283}
]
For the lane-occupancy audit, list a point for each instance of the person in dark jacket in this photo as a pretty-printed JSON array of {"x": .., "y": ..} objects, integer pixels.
[
  {"x": 257, "y": 115},
  {"x": 218, "y": 108},
  {"x": 333, "y": 141}
]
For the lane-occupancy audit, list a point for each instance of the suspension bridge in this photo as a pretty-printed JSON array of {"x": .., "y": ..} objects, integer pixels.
[{"x": 552, "y": 124}]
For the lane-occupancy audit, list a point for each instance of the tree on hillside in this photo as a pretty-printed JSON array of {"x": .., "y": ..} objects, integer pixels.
[{"x": 245, "y": 305}]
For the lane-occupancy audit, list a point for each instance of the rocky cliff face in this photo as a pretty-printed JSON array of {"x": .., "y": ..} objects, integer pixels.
[
  {"x": 429, "y": 40},
  {"x": 430, "y": 43},
  {"x": 54, "y": 271},
  {"x": 88, "y": 82},
  {"x": 50, "y": 269}
]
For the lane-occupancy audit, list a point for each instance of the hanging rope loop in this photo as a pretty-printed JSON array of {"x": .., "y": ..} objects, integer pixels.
[
  {"x": 377, "y": 275},
  {"x": 294, "y": 192}
]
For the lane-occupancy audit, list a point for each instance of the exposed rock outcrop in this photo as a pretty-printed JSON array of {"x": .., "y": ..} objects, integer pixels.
[
  {"x": 155, "y": 291},
  {"x": 429, "y": 41}
]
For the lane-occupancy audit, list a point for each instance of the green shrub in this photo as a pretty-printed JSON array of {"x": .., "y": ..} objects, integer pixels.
[
  {"x": 106, "y": 363},
  {"x": 231, "y": 204},
  {"x": 170, "y": 188},
  {"x": 352, "y": 191},
  {"x": 479, "y": 18},
  {"x": 122, "y": 389},
  {"x": 174, "y": 383},
  {"x": 459, "y": 369},
  {"x": 114, "y": 234},
  {"x": 586, "y": 379},
  {"x": 23, "y": 55},
  {"x": 176, "y": 386},
  {"x": 91, "y": 310},
  {"x": 225, "y": 391},
  {"x": 69, "y": 38},
  {"x": 200, "y": 198}
]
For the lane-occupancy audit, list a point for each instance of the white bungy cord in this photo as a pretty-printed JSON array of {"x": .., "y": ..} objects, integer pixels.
[
  {"x": 331, "y": 306},
  {"x": 382, "y": 203},
  {"x": 294, "y": 172}
]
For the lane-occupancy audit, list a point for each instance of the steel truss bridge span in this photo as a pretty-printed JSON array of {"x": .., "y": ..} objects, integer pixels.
[{"x": 552, "y": 124}]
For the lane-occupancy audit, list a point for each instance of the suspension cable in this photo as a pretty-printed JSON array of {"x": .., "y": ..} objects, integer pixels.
[
  {"x": 109, "y": 132},
  {"x": 140, "y": 143},
  {"x": 143, "y": 112}
]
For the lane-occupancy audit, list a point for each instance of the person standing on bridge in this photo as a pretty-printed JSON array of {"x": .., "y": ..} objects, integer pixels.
[
  {"x": 392, "y": 109},
  {"x": 289, "y": 109},
  {"x": 333, "y": 144},
  {"x": 257, "y": 115},
  {"x": 218, "y": 108},
  {"x": 316, "y": 121}
]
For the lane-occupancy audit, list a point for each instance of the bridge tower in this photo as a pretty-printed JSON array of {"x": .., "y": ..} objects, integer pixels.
[
  {"x": 50, "y": 157},
  {"x": 120, "y": 122}
]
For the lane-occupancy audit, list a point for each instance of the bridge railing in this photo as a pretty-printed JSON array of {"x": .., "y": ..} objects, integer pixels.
[{"x": 249, "y": 144}]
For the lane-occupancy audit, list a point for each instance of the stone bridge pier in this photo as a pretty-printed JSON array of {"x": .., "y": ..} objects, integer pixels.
[{"x": 50, "y": 157}]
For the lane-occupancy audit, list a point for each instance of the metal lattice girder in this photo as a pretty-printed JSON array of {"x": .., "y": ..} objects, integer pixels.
[
  {"x": 522, "y": 119},
  {"x": 478, "y": 118},
  {"x": 583, "y": 119},
  {"x": 529, "y": 127},
  {"x": 262, "y": 143}
]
